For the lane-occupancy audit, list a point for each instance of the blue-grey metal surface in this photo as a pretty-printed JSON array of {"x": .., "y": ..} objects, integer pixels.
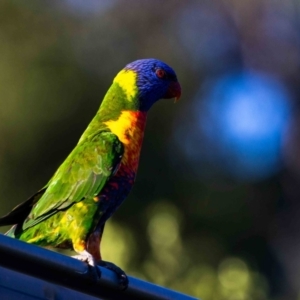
[{"x": 31, "y": 272}]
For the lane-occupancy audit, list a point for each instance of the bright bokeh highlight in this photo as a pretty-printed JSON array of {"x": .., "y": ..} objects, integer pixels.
[{"x": 241, "y": 125}]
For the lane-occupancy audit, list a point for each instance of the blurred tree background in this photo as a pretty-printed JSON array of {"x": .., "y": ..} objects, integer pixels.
[{"x": 215, "y": 209}]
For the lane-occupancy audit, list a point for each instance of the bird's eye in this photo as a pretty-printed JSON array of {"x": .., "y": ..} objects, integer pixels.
[{"x": 160, "y": 73}]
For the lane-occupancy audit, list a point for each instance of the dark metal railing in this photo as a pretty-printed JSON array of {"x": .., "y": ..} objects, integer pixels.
[{"x": 31, "y": 272}]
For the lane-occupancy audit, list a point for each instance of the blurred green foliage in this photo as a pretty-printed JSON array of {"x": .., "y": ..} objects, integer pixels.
[{"x": 175, "y": 229}]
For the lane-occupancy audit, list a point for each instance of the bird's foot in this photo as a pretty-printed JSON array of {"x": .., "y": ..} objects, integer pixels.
[
  {"x": 122, "y": 277},
  {"x": 94, "y": 271}
]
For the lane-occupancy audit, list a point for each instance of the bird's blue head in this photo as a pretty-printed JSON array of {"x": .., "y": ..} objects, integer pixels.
[{"x": 151, "y": 79}]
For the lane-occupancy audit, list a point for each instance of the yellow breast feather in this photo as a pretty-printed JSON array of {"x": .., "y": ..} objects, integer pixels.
[{"x": 129, "y": 128}]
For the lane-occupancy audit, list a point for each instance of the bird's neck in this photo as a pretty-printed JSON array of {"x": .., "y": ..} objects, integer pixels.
[
  {"x": 121, "y": 96},
  {"x": 127, "y": 122},
  {"x": 119, "y": 113}
]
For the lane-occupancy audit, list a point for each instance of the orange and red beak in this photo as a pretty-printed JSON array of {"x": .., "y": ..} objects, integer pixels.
[{"x": 174, "y": 91}]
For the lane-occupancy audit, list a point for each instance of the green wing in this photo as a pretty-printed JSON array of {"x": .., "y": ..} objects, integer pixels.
[{"x": 83, "y": 174}]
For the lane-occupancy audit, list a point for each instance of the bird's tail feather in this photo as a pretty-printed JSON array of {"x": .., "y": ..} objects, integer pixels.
[
  {"x": 20, "y": 212},
  {"x": 11, "y": 231}
]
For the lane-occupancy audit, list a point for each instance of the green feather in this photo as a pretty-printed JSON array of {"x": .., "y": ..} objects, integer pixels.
[{"x": 82, "y": 175}]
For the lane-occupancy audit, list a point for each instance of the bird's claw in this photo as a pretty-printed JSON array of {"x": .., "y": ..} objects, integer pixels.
[
  {"x": 93, "y": 271},
  {"x": 122, "y": 277}
]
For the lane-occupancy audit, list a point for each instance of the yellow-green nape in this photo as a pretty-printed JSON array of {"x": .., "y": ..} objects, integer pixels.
[{"x": 126, "y": 79}]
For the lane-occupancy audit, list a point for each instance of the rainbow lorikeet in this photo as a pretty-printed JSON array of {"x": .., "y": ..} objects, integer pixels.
[{"x": 71, "y": 210}]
